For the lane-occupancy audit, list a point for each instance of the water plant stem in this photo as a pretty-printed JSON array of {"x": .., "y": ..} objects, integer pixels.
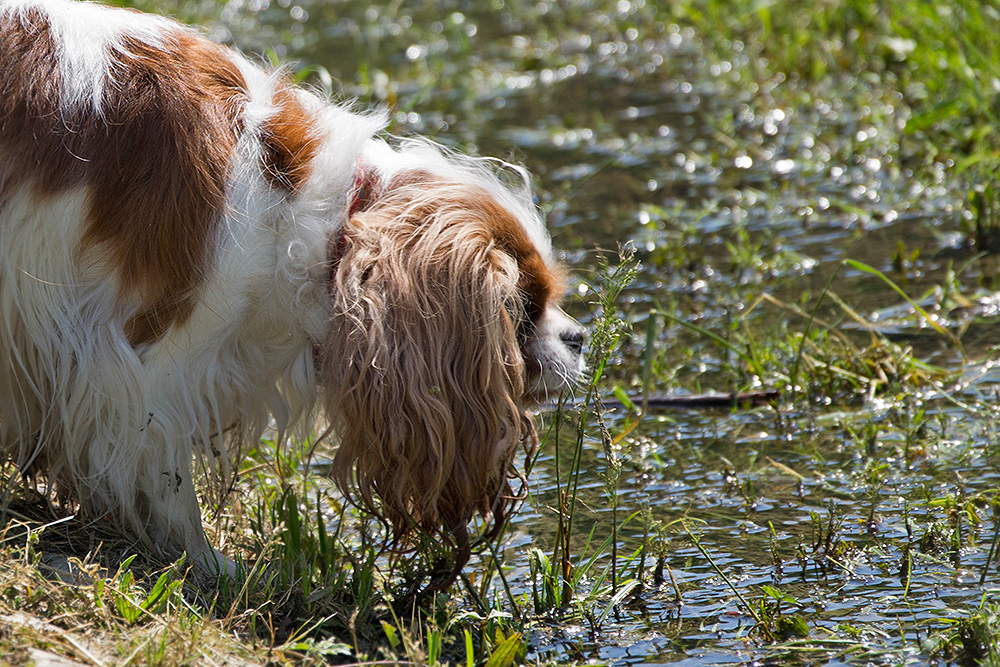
[{"x": 704, "y": 552}]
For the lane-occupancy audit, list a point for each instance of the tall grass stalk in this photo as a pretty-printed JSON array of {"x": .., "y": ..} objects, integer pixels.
[
  {"x": 995, "y": 505},
  {"x": 647, "y": 362},
  {"x": 931, "y": 321},
  {"x": 718, "y": 570},
  {"x": 612, "y": 474},
  {"x": 606, "y": 335}
]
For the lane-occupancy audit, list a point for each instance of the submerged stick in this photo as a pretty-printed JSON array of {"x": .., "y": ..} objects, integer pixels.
[{"x": 742, "y": 400}]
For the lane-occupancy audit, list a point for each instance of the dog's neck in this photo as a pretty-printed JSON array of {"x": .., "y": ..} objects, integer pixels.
[
  {"x": 365, "y": 190},
  {"x": 363, "y": 195}
]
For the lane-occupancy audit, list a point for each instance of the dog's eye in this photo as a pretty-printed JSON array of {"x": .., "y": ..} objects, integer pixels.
[
  {"x": 532, "y": 310},
  {"x": 534, "y": 294},
  {"x": 525, "y": 315},
  {"x": 532, "y": 306}
]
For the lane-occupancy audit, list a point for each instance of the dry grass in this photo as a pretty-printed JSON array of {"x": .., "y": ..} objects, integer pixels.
[{"x": 83, "y": 593}]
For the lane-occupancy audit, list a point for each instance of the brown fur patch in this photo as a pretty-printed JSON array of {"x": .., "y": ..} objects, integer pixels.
[
  {"x": 156, "y": 161},
  {"x": 539, "y": 282},
  {"x": 290, "y": 142},
  {"x": 29, "y": 97}
]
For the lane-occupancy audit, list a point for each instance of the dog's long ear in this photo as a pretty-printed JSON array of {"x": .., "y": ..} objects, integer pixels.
[{"x": 422, "y": 365}]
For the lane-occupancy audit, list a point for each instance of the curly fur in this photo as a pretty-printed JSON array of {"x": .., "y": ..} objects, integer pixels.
[{"x": 428, "y": 421}]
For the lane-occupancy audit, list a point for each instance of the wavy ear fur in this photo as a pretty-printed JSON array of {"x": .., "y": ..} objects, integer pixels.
[{"x": 422, "y": 367}]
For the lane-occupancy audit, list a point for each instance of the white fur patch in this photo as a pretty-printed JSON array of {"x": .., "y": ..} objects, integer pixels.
[{"x": 86, "y": 37}]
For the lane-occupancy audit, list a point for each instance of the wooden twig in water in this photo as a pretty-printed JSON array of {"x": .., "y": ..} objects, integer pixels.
[{"x": 742, "y": 400}]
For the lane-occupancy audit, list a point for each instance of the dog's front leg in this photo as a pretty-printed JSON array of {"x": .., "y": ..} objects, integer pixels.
[{"x": 175, "y": 523}]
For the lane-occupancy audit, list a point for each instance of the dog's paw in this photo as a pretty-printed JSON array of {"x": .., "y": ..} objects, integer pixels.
[
  {"x": 216, "y": 565},
  {"x": 59, "y": 566}
]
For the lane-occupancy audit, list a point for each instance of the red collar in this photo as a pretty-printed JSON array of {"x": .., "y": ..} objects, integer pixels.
[
  {"x": 363, "y": 195},
  {"x": 365, "y": 190}
]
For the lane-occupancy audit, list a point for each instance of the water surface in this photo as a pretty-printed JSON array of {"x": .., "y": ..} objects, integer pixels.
[{"x": 868, "y": 510}]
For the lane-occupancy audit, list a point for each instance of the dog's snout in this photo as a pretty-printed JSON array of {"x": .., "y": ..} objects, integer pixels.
[{"x": 573, "y": 340}]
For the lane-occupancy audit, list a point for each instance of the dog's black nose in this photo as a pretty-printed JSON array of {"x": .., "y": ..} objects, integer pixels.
[{"x": 573, "y": 340}]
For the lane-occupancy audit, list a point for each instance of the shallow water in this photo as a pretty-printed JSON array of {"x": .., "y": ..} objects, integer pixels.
[{"x": 636, "y": 131}]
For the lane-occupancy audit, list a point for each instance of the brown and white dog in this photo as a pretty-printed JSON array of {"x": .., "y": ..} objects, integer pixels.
[{"x": 192, "y": 250}]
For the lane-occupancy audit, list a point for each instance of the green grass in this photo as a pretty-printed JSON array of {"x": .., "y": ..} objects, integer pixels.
[{"x": 880, "y": 423}]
